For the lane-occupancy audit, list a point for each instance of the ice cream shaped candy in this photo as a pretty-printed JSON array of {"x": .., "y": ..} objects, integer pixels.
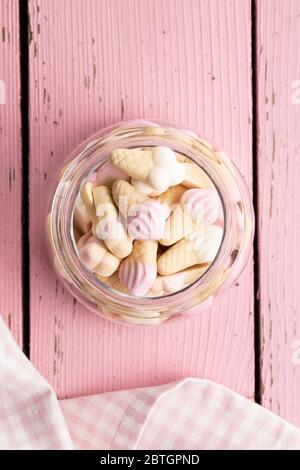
[
  {"x": 195, "y": 177},
  {"x": 126, "y": 196},
  {"x": 196, "y": 207},
  {"x": 172, "y": 195},
  {"x": 177, "y": 226},
  {"x": 86, "y": 194},
  {"x": 153, "y": 170},
  {"x": 138, "y": 271},
  {"x": 199, "y": 247},
  {"x": 109, "y": 228},
  {"x": 82, "y": 219},
  {"x": 136, "y": 163},
  {"x": 96, "y": 257},
  {"x": 114, "y": 282},
  {"x": 202, "y": 204},
  {"x": 145, "y": 217},
  {"x": 164, "y": 285},
  {"x": 146, "y": 221}
]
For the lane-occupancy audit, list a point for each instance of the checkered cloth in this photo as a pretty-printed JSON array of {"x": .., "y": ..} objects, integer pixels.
[{"x": 188, "y": 414}]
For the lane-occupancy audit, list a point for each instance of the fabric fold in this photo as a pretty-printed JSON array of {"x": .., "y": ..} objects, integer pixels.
[{"x": 190, "y": 414}]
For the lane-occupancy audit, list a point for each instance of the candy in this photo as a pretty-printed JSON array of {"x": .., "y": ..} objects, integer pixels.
[
  {"x": 194, "y": 273},
  {"x": 97, "y": 258},
  {"x": 126, "y": 196},
  {"x": 144, "y": 187},
  {"x": 145, "y": 217},
  {"x": 195, "y": 177},
  {"x": 164, "y": 285},
  {"x": 113, "y": 282},
  {"x": 118, "y": 225},
  {"x": 108, "y": 173},
  {"x": 198, "y": 248},
  {"x": 86, "y": 194},
  {"x": 146, "y": 221},
  {"x": 158, "y": 179},
  {"x": 109, "y": 228},
  {"x": 202, "y": 204},
  {"x": 172, "y": 195},
  {"x": 196, "y": 207},
  {"x": 178, "y": 226},
  {"x": 134, "y": 162},
  {"x": 82, "y": 219},
  {"x": 138, "y": 271},
  {"x": 153, "y": 171},
  {"x": 163, "y": 157},
  {"x": 83, "y": 239}
]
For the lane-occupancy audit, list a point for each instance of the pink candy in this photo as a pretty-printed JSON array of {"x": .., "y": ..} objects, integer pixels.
[
  {"x": 137, "y": 276},
  {"x": 146, "y": 221},
  {"x": 202, "y": 204},
  {"x": 92, "y": 253}
]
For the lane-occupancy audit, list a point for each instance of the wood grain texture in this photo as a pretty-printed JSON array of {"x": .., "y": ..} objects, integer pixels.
[
  {"x": 93, "y": 63},
  {"x": 278, "y": 40},
  {"x": 10, "y": 171}
]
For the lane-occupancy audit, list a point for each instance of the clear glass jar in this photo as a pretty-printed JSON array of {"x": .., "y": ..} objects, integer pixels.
[{"x": 94, "y": 154}]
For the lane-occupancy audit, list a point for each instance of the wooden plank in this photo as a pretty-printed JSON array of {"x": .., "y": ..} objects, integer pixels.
[
  {"x": 93, "y": 63},
  {"x": 278, "y": 39},
  {"x": 10, "y": 171}
]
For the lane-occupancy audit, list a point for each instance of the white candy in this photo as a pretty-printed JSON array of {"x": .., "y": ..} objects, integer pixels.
[
  {"x": 166, "y": 171},
  {"x": 164, "y": 157},
  {"x": 177, "y": 174},
  {"x": 207, "y": 241},
  {"x": 142, "y": 187},
  {"x": 158, "y": 179}
]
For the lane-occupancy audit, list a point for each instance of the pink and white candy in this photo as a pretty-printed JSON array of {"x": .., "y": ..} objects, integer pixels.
[
  {"x": 167, "y": 284},
  {"x": 138, "y": 271},
  {"x": 202, "y": 204},
  {"x": 95, "y": 256},
  {"x": 137, "y": 276},
  {"x": 146, "y": 221},
  {"x": 207, "y": 241}
]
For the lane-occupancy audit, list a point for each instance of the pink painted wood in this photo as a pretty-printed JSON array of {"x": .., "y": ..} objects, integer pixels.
[
  {"x": 10, "y": 171},
  {"x": 93, "y": 63},
  {"x": 278, "y": 39}
]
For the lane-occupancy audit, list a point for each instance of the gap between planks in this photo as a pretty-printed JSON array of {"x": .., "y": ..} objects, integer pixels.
[
  {"x": 255, "y": 195},
  {"x": 24, "y": 109}
]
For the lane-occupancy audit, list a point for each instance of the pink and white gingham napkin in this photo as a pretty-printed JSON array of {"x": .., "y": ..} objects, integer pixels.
[{"x": 189, "y": 414}]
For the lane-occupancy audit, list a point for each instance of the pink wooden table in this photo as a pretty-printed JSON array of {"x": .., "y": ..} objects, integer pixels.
[{"x": 230, "y": 68}]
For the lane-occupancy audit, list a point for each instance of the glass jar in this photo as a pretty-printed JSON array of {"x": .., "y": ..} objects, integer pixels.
[{"x": 92, "y": 155}]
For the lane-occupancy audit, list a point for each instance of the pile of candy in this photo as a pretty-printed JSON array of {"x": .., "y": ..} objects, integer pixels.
[{"x": 150, "y": 223}]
